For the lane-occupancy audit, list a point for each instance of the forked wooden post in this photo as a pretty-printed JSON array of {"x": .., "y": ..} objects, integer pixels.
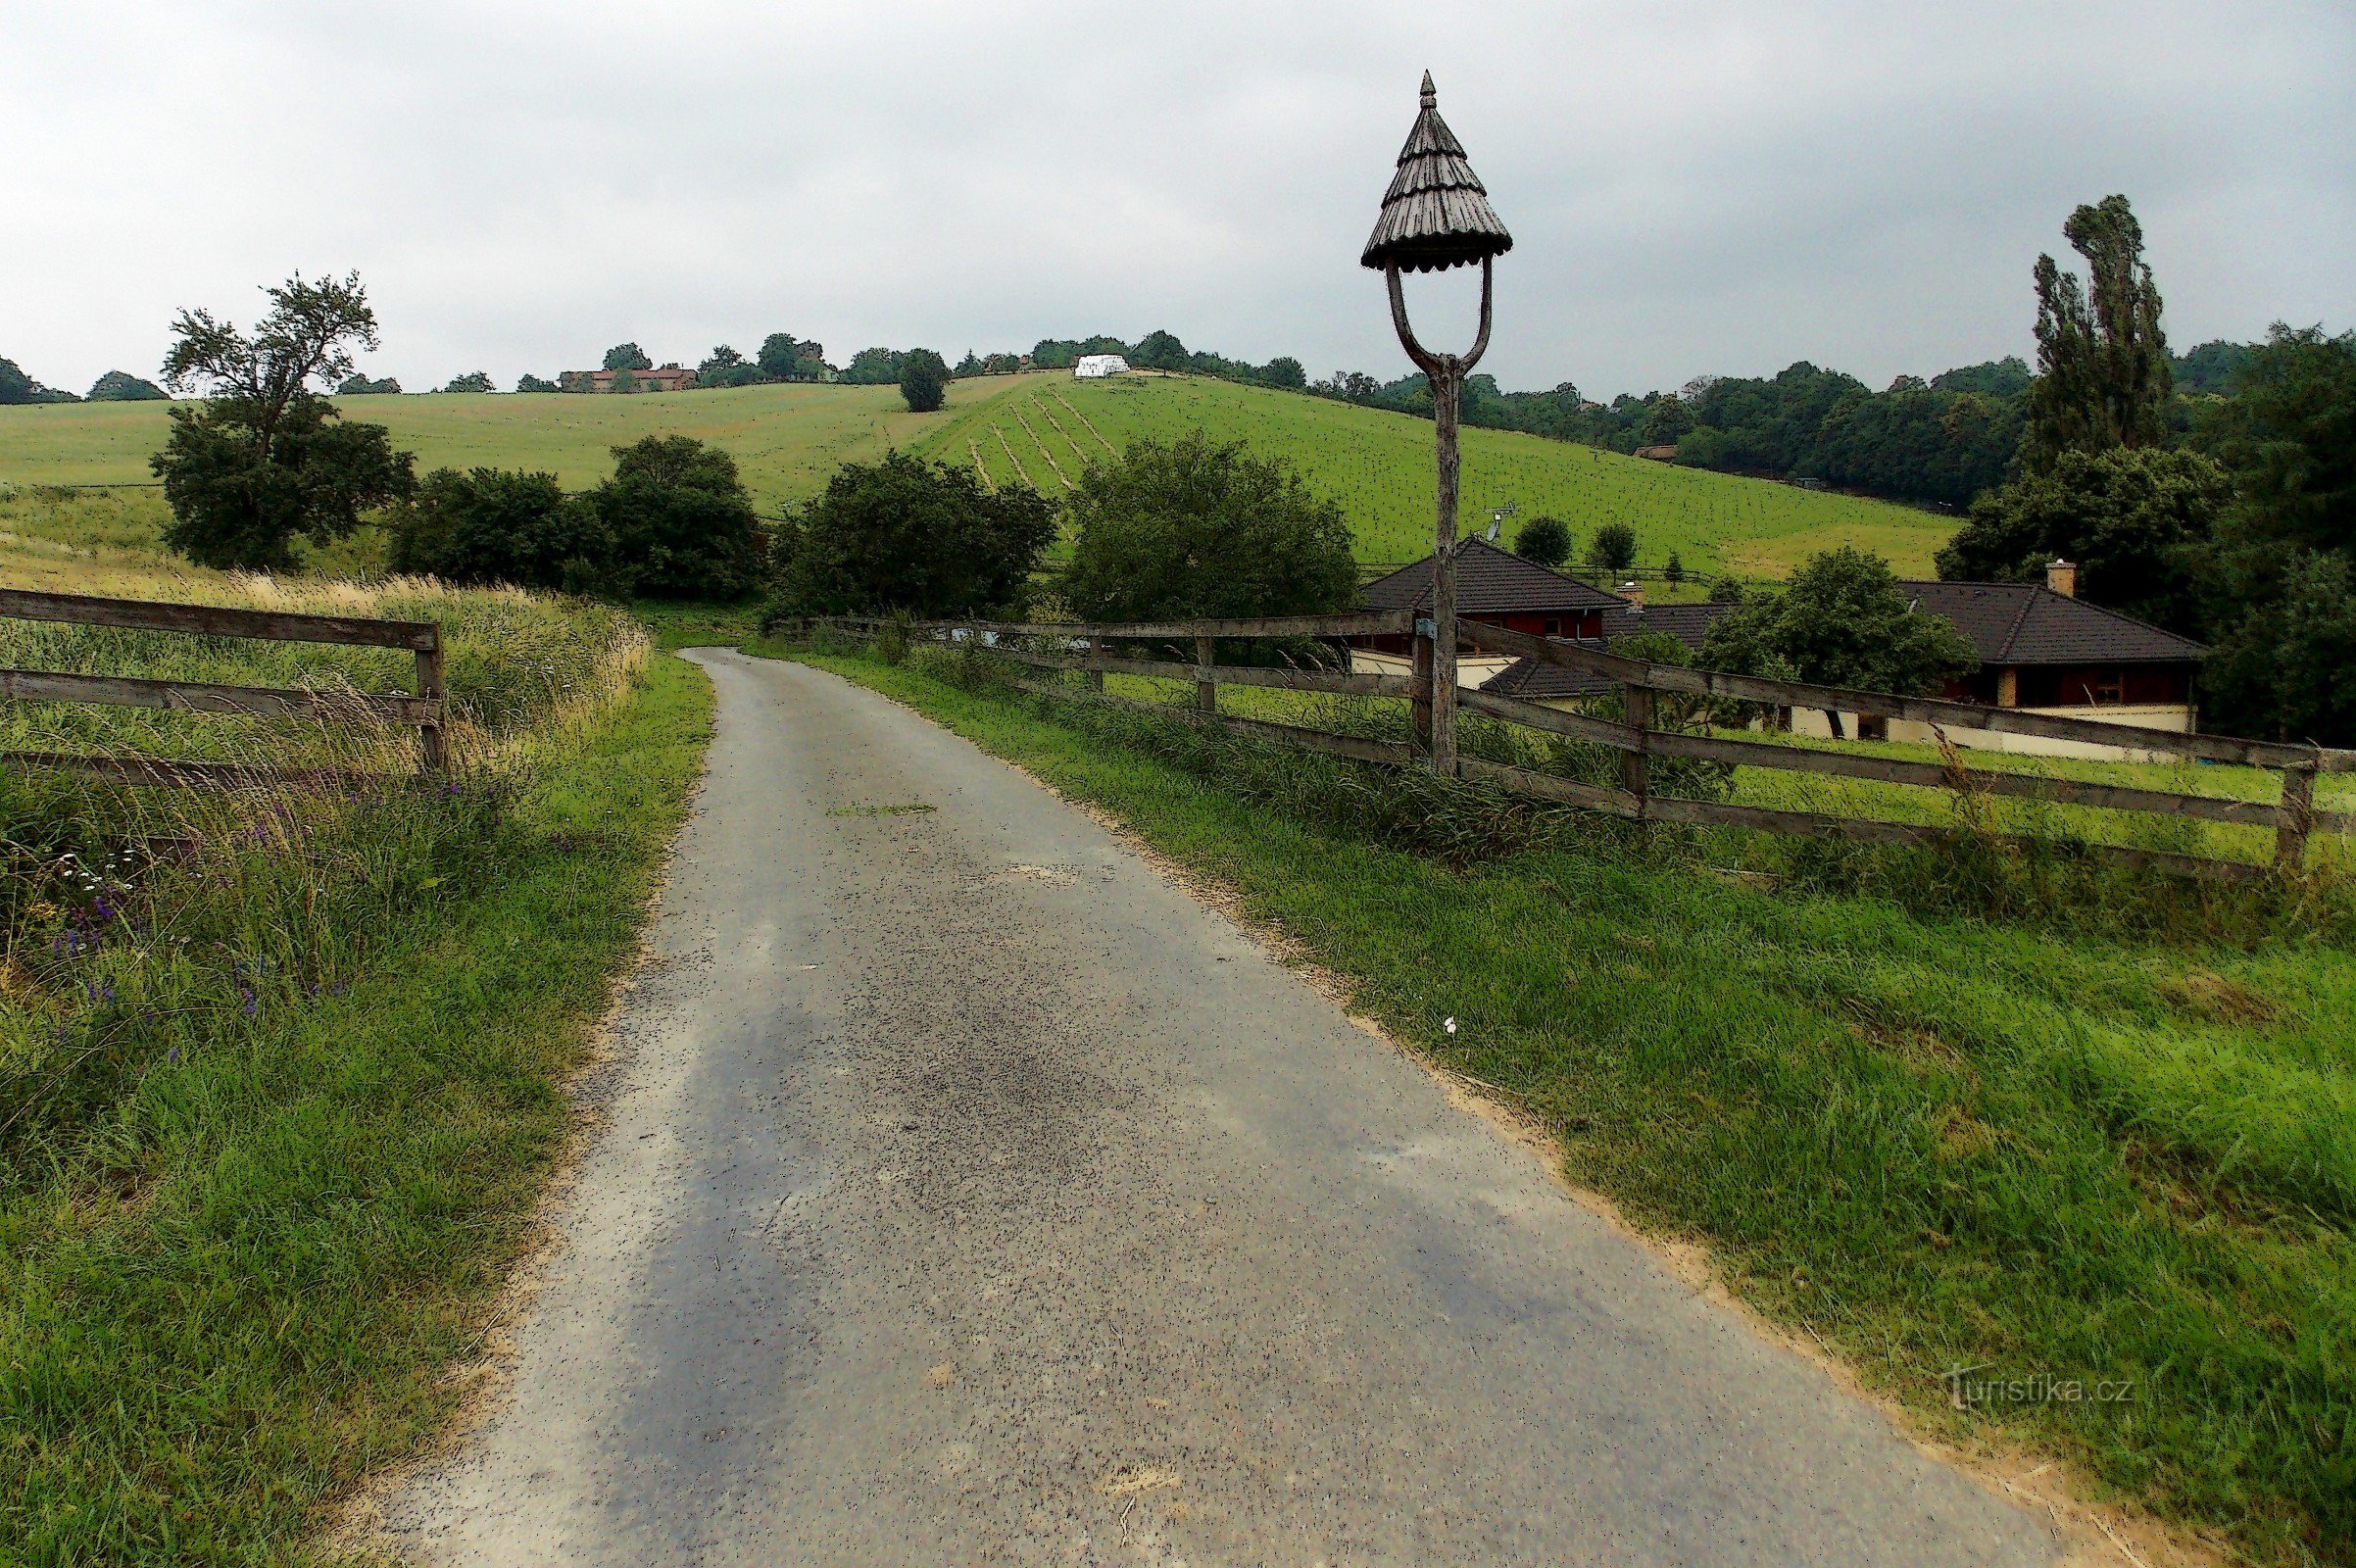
[
  {"x": 1207, "y": 692},
  {"x": 1634, "y": 765},
  {"x": 2294, "y": 820},
  {"x": 431, "y": 748}
]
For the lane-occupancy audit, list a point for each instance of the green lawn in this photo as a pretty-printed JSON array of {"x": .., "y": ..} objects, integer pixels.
[
  {"x": 282, "y": 1075},
  {"x": 1933, "y": 1142},
  {"x": 1046, "y": 428}
]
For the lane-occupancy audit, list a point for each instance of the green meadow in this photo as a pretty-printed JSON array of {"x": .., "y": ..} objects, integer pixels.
[{"x": 1043, "y": 429}]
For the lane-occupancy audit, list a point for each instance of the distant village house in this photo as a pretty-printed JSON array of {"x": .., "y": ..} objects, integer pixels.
[
  {"x": 1089, "y": 367},
  {"x": 669, "y": 378}
]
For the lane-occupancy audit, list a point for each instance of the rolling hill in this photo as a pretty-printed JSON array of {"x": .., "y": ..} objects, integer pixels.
[{"x": 1045, "y": 428}]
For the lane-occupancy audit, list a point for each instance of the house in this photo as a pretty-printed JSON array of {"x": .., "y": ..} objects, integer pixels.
[
  {"x": 2040, "y": 648},
  {"x": 1089, "y": 367},
  {"x": 1494, "y": 586},
  {"x": 669, "y": 378},
  {"x": 1658, "y": 451}
]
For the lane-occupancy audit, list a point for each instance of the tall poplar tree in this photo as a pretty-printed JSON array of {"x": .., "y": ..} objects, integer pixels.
[{"x": 2103, "y": 376}]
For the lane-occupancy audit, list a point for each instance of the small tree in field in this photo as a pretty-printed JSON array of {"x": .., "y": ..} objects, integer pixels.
[
  {"x": 923, "y": 380},
  {"x": 1193, "y": 529},
  {"x": 268, "y": 459},
  {"x": 1544, "y": 541},
  {"x": 1613, "y": 547}
]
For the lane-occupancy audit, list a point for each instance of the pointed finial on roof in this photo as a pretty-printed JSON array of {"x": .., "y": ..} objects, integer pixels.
[{"x": 1431, "y": 96}]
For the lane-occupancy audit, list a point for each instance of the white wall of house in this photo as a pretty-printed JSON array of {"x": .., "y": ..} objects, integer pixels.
[
  {"x": 2174, "y": 717},
  {"x": 1471, "y": 668},
  {"x": 1091, "y": 366}
]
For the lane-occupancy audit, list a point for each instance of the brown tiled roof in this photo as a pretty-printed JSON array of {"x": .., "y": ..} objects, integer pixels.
[
  {"x": 1490, "y": 581},
  {"x": 2011, "y": 623},
  {"x": 2029, "y": 623}
]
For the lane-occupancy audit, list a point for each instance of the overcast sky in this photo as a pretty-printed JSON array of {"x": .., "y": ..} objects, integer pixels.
[{"x": 1691, "y": 187}]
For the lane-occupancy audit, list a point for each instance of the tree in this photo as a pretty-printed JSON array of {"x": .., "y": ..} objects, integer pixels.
[
  {"x": 529, "y": 382},
  {"x": 683, "y": 525},
  {"x": 472, "y": 381},
  {"x": 1158, "y": 350},
  {"x": 266, "y": 460},
  {"x": 624, "y": 382},
  {"x": 2284, "y": 665},
  {"x": 2131, "y": 519},
  {"x": 1842, "y": 621},
  {"x": 873, "y": 367},
  {"x": 923, "y": 380},
  {"x": 627, "y": 356},
  {"x": 1286, "y": 371},
  {"x": 1544, "y": 541},
  {"x": 726, "y": 367},
  {"x": 310, "y": 331},
  {"x": 1668, "y": 419},
  {"x": 235, "y": 503},
  {"x": 120, "y": 386},
  {"x": 1197, "y": 529},
  {"x": 356, "y": 386},
  {"x": 1613, "y": 547},
  {"x": 2103, "y": 372},
  {"x": 780, "y": 357},
  {"x": 902, "y": 536},
  {"x": 501, "y": 526},
  {"x": 1675, "y": 571}
]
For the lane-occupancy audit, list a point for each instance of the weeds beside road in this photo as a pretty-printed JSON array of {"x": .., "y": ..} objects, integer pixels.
[{"x": 2052, "y": 1151}]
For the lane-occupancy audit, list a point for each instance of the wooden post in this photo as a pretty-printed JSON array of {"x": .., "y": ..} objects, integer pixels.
[
  {"x": 2295, "y": 819},
  {"x": 1635, "y": 767},
  {"x": 1419, "y": 705},
  {"x": 429, "y": 686},
  {"x": 1207, "y": 693},
  {"x": 1446, "y": 386},
  {"x": 1096, "y": 657}
]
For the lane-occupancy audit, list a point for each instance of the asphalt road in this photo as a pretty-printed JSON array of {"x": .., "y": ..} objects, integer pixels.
[{"x": 970, "y": 1194}]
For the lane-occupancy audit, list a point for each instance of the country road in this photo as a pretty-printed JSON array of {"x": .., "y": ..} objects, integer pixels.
[{"x": 969, "y": 1194}]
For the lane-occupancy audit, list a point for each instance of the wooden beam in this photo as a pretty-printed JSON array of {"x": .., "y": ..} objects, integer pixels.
[
  {"x": 205, "y": 696},
  {"x": 1399, "y": 622},
  {"x": 1920, "y": 709},
  {"x": 1558, "y": 720},
  {"x": 1387, "y": 754},
  {"x": 152, "y": 771},
  {"x": 1523, "y": 781},
  {"x": 217, "y": 620}
]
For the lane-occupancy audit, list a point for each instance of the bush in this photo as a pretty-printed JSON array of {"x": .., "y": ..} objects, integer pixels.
[
  {"x": 501, "y": 526},
  {"x": 472, "y": 381},
  {"x": 529, "y": 382},
  {"x": 239, "y": 502},
  {"x": 904, "y": 536},
  {"x": 120, "y": 386},
  {"x": 681, "y": 524},
  {"x": 1195, "y": 529},
  {"x": 923, "y": 380},
  {"x": 356, "y": 386},
  {"x": 1544, "y": 542}
]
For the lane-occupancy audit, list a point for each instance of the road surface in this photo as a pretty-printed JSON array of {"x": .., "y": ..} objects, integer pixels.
[{"x": 970, "y": 1194}]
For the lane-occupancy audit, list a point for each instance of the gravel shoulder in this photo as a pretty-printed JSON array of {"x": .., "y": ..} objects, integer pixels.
[{"x": 970, "y": 1194}]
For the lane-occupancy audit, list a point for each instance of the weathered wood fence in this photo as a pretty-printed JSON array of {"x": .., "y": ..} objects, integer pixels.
[
  {"x": 1638, "y": 737},
  {"x": 425, "y": 709}
]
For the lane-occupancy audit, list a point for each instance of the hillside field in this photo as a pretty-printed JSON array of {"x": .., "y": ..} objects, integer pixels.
[{"x": 1045, "y": 428}]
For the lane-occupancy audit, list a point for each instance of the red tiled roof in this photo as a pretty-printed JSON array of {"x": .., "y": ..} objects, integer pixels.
[{"x": 1489, "y": 582}]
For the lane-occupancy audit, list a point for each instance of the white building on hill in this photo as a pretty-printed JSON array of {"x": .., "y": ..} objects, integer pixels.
[{"x": 1091, "y": 366}]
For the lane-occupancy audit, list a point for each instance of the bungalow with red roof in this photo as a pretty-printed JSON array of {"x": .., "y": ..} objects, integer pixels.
[{"x": 1494, "y": 586}]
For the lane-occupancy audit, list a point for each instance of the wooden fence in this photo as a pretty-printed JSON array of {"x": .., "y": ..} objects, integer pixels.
[
  {"x": 425, "y": 709},
  {"x": 1638, "y": 737}
]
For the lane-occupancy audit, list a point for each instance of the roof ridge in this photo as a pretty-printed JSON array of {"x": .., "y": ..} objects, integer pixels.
[{"x": 2012, "y": 631}]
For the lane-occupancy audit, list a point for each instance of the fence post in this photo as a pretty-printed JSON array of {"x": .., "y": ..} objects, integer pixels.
[
  {"x": 2294, "y": 819},
  {"x": 1207, "y": 693},
  {"x": 1634, "y": 765},
  {"x": 1096, "y": 657},
  {"x": 1419, "y": 705},
  {"x": 429, "y": 686}
]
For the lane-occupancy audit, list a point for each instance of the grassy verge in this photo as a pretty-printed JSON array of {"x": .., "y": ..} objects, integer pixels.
[
  {"x": 233, "y": 1283},
  {"x": 1937, "y": 1143}
]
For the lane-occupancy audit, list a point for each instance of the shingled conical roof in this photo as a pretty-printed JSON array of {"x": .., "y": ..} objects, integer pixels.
[{"x": 1436, "y": 214}]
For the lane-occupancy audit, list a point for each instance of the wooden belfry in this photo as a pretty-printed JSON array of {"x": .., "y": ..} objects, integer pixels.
[{"x": 1436, "y": 215}]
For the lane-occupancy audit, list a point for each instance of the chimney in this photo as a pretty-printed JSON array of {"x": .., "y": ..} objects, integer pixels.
[
  {"x": 2062, "y": 577},
  {"x": 1634, "y": 592}
]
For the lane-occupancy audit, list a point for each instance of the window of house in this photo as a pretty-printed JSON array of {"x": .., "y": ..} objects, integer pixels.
[
  {"x": 1554, "y": 625},
  {"x": 2109, "y": 686}
]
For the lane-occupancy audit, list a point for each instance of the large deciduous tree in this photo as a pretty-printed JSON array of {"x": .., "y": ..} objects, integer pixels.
[
  {"x": 1842, "y": 621},
  {"x": 902, "y": 536},
  {"x": 1545, "y": 541},
  {"x": 2103, "y": 372},
  {"x": 683, "y": 525},
  {"x": 1193, "y": 528},
  {"x": 627, "y": 356},
  {"x": 266, "y": 460}
]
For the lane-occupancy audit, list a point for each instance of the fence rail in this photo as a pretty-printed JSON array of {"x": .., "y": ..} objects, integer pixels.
[
  {"x": 425, "y": 709},
  {"x": 1093, "y": 648}
]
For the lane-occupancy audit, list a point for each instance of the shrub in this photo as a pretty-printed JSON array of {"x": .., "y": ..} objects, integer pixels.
[
  {"x": 1544, "y": 541},
  {"x": 120, "y": 386},
  {"x": 1197, "y": 529},
  {"x": 923, "y": 380},
  {"x": 502, "y": 525},
  {"x": 681, "y": 524},
  {"x": 238, "y": 501},
  {"x": 906, "y": 536},
  {"x": 472, "y": 381}
]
